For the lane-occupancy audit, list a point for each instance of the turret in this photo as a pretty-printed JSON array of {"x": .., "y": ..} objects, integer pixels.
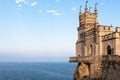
[
  {"x": 88, "y": 18},
  {"x": 86, "y": 7},
  {"x": 89, "y": 9},
  {"x": 80, "y": 11},
  {"x": 95, "y": 11}
]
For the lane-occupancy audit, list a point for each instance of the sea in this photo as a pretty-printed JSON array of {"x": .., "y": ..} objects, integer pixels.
[{"x": 37, "y": 71}]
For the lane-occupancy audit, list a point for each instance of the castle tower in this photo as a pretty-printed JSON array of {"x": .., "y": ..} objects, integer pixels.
[
  {"x": 97, "y": 48},
  {"x": 87, "y": 18},
  {"x": 87, "y": 32}
]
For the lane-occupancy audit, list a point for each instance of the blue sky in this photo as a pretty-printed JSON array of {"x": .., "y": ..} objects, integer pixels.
[{"x": 46, "y": 30}]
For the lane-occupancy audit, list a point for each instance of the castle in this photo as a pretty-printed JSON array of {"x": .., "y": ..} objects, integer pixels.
[{"x": 97, "y": 49}]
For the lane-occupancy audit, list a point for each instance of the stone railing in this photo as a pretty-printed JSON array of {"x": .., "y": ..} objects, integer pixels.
[
  {"x": 73, "y": 59},
  {"x": 93, "y": 58},
  {"x": 84, "y": 59}
]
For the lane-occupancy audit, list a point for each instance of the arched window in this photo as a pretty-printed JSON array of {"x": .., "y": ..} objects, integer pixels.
[
  {"x": 91, "y": 49},
  {"x": 109, "y": 52},
  {"x": 88, "y": 50}
]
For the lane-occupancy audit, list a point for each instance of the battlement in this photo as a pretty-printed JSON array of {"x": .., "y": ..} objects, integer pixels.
[
  {"x": 113, "y": 35},
  {"x": 117, "y": 29},
  {"x": 88, "y": 17},
  {"x": 105, "y": 28},
  {"x": 92, "y": 14},
  {"x": 89, "y": 14}
]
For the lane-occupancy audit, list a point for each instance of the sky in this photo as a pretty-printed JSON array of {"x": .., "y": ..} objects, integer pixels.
[{"x": 46, "y": 30}]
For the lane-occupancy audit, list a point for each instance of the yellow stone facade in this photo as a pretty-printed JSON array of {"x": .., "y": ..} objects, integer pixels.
[
  {"x": 97, "y": 49},
  {"x": 96, "y": 39}
]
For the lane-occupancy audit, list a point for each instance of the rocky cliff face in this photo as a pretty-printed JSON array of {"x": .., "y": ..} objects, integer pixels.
[{"x": 82, "y": 71}]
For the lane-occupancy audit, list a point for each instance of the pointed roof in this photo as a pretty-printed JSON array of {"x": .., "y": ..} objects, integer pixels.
[
  {"x": 80, "y": 10},
  {"x": 86, "y": 6},
  {"x": 95, "y": 8}
]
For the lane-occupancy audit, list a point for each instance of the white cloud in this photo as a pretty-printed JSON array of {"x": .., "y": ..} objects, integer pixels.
[
  {"x": 20, "y": 1},
  {"x": 57, "y": 0},
  {"x": 20, "y": 6},
  {"x": 39, "y": 11},
  {"x": 34, "y": 4},
  {"x": 51, "y": 11},
  {"x": 47, "y": 4},
  {"x": 57, "y": 14},
  {"x": 54, "y": 12},
  {"x": 102, "y": 3},
  {"x": 74, "y": 9}
]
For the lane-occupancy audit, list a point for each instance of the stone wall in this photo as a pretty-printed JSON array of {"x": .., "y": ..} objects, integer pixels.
[{"x": 111, "y": 70}]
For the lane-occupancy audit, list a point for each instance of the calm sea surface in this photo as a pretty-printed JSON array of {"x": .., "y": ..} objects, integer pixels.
[{"x": 37, "y": 71}]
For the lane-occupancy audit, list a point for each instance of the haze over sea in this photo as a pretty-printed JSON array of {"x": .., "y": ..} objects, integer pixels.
[{"x": 37, "y": 71}]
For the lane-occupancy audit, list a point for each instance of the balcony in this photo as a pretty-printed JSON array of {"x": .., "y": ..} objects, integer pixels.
[
  {"x": 84, "y": 59},
  {"x": 93, "y": 58}
]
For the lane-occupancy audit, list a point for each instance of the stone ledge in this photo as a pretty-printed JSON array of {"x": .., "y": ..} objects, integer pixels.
[{"x": 92, "y": 59}]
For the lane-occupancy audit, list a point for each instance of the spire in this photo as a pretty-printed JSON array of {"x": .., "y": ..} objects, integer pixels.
[
  {"x": 111, "y": 25},
  {"x": 89, "y": 8},
  {"x": 95, "y": 8},
  {"x": 86, "y": 6},
  {"x": 80, "y": 10}
]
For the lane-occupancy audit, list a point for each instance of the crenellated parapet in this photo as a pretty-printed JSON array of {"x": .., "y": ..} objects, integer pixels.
[
  {"x": 103, "y": 28},
  {"x": 88, "y": 17},
  {"x": 111, "y": 36},
  {"x": 114, "y": 35},
  {"x": 117, "y": 29}
]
